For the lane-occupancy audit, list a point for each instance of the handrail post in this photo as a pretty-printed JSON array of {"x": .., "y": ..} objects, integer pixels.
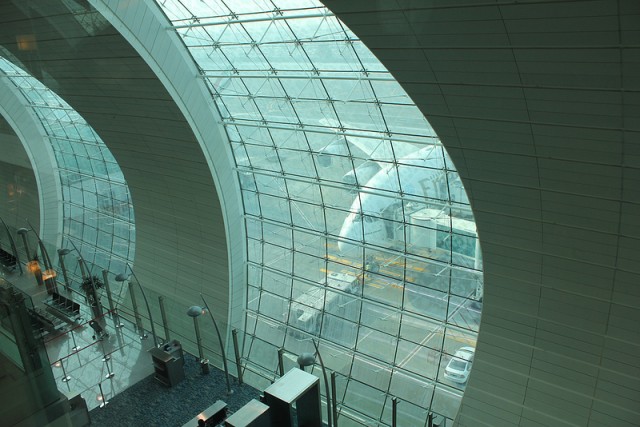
[
  {"x": 12, "y": 243},
  {"x": 121, "y": 278},
  {"x": 394, "y": 412},
  {"x": 224, "y": 356},
  {"x": 334, "y": 399},
  {"x": 234, "y": 334},
  {"x": 114, "y": 315},
  {"x": 165, "y": 321},
  {"x": 280, "y": 361},
  {"x": 326, "y": 384}
]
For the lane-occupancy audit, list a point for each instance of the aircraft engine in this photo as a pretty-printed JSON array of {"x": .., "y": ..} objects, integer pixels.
[
  {"x": 336, "y": 148},
  {"x": 362, "y": 174}
]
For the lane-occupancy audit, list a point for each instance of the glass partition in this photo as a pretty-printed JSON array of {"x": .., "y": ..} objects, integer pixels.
[{"x": 97, "y": 209}]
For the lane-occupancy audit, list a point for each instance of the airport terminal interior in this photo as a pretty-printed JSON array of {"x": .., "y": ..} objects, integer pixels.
[{"x": 431, "y": 207}]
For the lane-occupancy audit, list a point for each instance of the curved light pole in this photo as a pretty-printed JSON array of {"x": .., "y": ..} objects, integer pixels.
[
  {"x": 308, "y": 359},
  {"x": 12, "y": 243},
  {"x": 32, "y": 262},
  {"x": 49, "y": 273},
  {"x": 194, "y": 312},
  {"x": 112, "y": 309},
  {"x": 96, "y": 308},
  {"x": 121, "y": 278},
  {"x": 134, "y": 304},
  {"x": 63, "y": 267},
  {"x": 83, "y": 264},
  {"x": 224, "y": 355},
  {"x": 25, "y": 241},
  {"x": 43, "y": 249}
]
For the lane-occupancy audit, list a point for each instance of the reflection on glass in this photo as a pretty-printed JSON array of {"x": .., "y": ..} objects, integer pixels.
[{"x": 97, "y": 209}]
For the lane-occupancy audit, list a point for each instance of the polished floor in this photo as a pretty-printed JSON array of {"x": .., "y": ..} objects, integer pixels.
[
  {"x": 82, "y": 363},
  {"x": 114, "y": 373},
  {"x": 149, "y": 403}
]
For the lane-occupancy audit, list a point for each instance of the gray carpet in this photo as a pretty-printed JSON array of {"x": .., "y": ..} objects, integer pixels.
[{"x": 149, "y": 403}]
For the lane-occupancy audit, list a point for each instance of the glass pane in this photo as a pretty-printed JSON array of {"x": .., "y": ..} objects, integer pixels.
[{"x": 376, "y": 253}]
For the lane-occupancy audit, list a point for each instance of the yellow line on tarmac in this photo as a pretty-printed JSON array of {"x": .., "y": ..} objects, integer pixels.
[
  {"x": 464, "y": 340},
  {"x": 367, "y": 282}
]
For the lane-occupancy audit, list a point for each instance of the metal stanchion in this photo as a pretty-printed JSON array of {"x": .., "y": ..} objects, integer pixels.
[
  {"x": 12, "y": 243},
  {"x": 165, "y": 321},
  {"x": 136, "y": 313},
  {"x": 49, "y": 273},
  {"x": 73, "y": 337},
  {"x": 110, "y": 373},
  {"x": 280, "y": 361},
  {"x": 23, "y": 233},
  {"x": 121, "y": 278},
  {"x": 308, "y": 359},
  {"x": 234, "y": 334},
  {"x": 334, "y": 399},
  {"x": 104, "y": 401},
  {"x": 83, "y": 270},
  {"x": 63, "y": 267},
  {"x": 224, "y": 354},
  {"x": 65, "y": 377},
  {"x": 112, "y": 309},
  {"x": 104, "y": 353},
  {"x": 326, "y": 384},
  {"x": 430, "y": 420},
  {"x": 194, "y": 312},
  {"x": 394, "y": 412},
  {"x": 91, "y": 295}
]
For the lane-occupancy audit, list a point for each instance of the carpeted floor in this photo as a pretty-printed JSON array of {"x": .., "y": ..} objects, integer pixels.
[{"x": 149, "y": 403}]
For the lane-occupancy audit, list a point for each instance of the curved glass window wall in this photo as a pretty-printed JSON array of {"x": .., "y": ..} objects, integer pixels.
[
  {"x": 360, "y": 234},
  {"x": 97, "y": 209}
]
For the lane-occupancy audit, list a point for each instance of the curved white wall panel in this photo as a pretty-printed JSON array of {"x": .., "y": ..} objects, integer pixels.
[{"x": 144, "y": 26}]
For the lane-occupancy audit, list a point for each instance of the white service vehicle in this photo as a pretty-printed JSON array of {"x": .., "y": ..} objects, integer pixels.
[
  {"x": 306, "y": 310},
  {"x": 459, "y": 366}
]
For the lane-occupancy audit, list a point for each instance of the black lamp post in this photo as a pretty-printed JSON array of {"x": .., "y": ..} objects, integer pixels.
[
  {"x": 308, "y": 359},
  {"x": 224, "y": 355},
  {"x": 134, "y": 303},
  {"x": 33, "y": 266},
  {"x": 123, "y": 277},
  {"x": 63, "y": 267},
  {"x": 92, "y": 298},
  {"x": 43, "y": 249},
  {"x": 49, "y": 274},
  {"x": 194, "y": 312},
  {"x": 23, "y": 233},
  {"x": 12, "y": 243}
]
